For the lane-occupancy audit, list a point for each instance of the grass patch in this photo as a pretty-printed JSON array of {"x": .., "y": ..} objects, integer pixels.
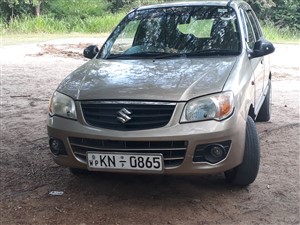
[
  {"x": 46, "y": 24},
  {"x": 280, "y": 35},
  {"x": 31, "y": 30},
  {"x": 15, "y": 38}
]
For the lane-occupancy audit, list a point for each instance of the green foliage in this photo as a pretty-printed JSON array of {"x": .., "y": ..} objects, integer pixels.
[
  {"x": 260, "y": 6},
  {"x": 92, "y": 24},
  {"x": 11, "y": 3},
  {"x": 2, "y": 26},
  {"x": 117, "y": 5},
  {"x": 4, "y": 11},
  {"x": 276, "y": 34},
  {"x": 14, "y": 8},
  {"x": 75, "y": 8},
  {"x": 282, "y": 13},
  {"x": 46, "y": 24},
  {"x": 37, "y": 24},
  {"x": 102, "y": 15},
  {"x": 285, "y": 14}
]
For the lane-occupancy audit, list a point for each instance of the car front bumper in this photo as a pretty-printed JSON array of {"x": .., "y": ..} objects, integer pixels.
[{"x": 194, "y": 134}]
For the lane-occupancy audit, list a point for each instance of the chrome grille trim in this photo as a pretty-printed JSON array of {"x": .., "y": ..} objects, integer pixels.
[
  {"x": 129, "y": 102},
  {"x": 128, "y": 149},
  {"x": 172, "y": 151}
]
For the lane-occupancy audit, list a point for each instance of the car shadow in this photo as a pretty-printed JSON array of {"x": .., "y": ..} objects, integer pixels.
[{"x": 150, "y": 187}]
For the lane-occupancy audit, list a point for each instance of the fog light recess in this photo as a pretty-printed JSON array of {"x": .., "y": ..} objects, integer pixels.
[
  {"x": 57, "y": 147},
  {"x": 212, "y": 153}
]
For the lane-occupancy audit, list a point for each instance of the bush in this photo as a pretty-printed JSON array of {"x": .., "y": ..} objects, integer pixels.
[
  {"x": 286, "y": 14},
  {"x": 276, "y": 34},
  {"x": 38, "y": 24},
  {"x": 125, "y": 5},
  {"x": 75, "y": 8},
  {"x": 95, "y": 15},
  {"x": 46, "y": 24}
]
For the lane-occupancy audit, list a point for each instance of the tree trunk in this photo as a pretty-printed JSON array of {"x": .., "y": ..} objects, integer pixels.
[
  {"x": 38, "y": 9},
  {"x": 12, "y": 14}
]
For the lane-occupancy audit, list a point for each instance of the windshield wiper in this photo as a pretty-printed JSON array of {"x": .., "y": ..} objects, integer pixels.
[
  {"x": 208, "y": 52},
  {"x": 164, "y": 55},
  {"x": 135, "y": 55}
]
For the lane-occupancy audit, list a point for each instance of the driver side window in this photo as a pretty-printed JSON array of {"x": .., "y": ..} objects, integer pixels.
[{"x": 126, "y": 37}]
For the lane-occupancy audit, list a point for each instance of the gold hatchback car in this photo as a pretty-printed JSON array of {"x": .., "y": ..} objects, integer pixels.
[{"x": 175, "y": 89}]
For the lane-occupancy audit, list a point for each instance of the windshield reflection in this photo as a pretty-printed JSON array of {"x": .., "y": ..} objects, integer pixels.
[{"x": 173, "y": 32}]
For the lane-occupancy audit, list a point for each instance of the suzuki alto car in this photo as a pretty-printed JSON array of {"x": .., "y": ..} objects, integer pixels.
[{"x": 175, "y": 89}]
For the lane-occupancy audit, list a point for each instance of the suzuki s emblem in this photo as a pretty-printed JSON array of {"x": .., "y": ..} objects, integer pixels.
[{"x": 123, "y": 115}]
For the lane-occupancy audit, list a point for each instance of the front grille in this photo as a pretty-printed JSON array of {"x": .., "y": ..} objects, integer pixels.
[
  {"x": 172, "y": 151},
  {"x": 143, "y": 115}
]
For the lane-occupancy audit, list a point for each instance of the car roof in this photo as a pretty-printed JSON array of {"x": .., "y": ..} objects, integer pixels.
[{"x": 190, "y": 3}]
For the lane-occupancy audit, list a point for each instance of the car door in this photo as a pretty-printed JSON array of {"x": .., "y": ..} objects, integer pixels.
[
  {"x": 258, "y": 35},
  {"x": 256, "y": 63}
]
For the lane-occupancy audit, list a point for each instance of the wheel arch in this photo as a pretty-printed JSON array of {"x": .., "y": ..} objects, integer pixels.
[{"x": 251, "y": 112}]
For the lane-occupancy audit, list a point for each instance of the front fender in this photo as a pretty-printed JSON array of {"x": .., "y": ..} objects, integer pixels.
[{"x": 241, "y": 82}]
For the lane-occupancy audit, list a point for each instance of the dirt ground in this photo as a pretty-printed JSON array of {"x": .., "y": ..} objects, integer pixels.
[{"x": 29, "y": 75}]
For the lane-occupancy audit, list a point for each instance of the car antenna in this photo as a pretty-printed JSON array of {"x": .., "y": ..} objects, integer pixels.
[{"x": 229, "y": 2}]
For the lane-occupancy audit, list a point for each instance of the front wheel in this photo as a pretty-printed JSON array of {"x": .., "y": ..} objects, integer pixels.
[{"x": 246, "y": 172}]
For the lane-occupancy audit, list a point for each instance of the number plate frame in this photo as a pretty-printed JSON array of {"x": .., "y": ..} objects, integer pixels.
[{"x": 125, "y": 159}]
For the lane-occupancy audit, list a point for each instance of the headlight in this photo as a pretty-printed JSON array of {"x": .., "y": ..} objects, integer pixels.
[
  {"x": 62, "y": 105},
  {"x": 217, "y": 107}
]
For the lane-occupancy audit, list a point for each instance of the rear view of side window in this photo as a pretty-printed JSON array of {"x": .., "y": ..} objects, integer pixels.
[
  {"x": 250, "y": 36},
  {"x": 256, "y": 28}
]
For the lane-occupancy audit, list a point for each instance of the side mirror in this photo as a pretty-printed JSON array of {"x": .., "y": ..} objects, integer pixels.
[
  {"x": 261, "y": 48},
  {"x": 90, "y": 51}
]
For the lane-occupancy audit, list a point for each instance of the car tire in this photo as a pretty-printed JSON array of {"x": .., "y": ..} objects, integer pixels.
[
  {"x": 246, "y": 172},
  {"x": 264, "y": 114},
  {"x": 79, "y": 172}
]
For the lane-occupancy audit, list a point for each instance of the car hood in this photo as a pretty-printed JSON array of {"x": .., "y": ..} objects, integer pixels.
[{"x": 177, "y": 79}]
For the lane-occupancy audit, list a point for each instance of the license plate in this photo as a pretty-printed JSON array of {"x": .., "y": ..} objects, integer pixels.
[{"x": 124, "y": 161}]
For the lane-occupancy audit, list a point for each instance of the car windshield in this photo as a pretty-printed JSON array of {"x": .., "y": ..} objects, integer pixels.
[{"x": 174, "y": 32}]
